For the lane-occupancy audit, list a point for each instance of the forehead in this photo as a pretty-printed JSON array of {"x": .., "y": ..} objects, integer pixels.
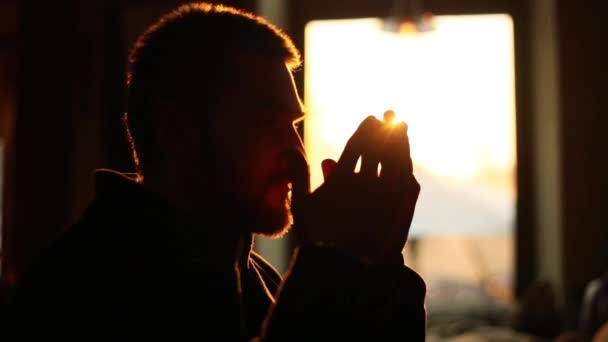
[{"x": 264, "y": 82}]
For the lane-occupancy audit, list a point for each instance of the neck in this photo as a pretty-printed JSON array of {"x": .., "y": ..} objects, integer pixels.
[
  {"x": 244, "y": 250},
  {"x": 234, "y": 236},
  {"x": 174, "y": 190}
]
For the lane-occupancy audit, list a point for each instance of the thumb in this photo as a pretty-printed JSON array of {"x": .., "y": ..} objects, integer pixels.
[{"x": 327, "y": 166}]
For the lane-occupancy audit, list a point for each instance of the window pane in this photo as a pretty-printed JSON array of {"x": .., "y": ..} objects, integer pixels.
[{"x": 454, "y": 86}]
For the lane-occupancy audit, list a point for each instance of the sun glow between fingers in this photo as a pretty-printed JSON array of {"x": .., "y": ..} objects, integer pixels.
[{"x": 455, "y": 85}]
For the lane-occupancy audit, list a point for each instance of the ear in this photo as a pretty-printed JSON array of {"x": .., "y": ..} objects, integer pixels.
[
  {"x": 170, "y": 130},
  {"x": 161, "y": 124}
]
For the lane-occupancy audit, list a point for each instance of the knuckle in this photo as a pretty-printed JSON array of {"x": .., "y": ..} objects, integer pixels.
[{"x": 369, "y": 123}]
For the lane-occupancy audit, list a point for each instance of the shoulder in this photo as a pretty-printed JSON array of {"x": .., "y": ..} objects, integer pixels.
[
  {"x": 92, "y": 245},
  {"x": 61, "y": 260}
]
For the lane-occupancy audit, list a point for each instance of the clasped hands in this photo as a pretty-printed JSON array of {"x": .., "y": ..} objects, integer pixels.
[{"x": 365, "y": 214}]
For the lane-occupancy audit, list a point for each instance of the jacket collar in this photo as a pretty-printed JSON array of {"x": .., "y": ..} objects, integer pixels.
[{"x": 123, "y": 190}]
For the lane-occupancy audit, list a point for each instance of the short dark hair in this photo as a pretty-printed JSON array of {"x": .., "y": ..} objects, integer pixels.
[{"x": 161, "y": 62}]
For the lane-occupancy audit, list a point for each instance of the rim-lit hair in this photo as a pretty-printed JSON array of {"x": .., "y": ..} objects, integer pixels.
[{"x": 185, "y": 55}]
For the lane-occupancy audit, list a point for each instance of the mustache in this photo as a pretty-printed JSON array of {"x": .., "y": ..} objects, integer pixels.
[
  {"x": 280, "y": 178},
  {"x": 292, "y": 171}
]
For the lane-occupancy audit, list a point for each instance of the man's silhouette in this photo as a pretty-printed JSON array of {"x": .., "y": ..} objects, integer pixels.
[{"x": 166, "y": 253}]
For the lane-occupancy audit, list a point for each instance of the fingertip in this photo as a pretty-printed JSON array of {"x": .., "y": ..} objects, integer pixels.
[
  {"x": 328, "y": 163},
  {"x": 370, "y": 121},
  {"x": 366, "y": 129},
  {"x": 370, "y": 118},
  {"x": 401, "y": 126},
  {"x": 389, "y": 116}
]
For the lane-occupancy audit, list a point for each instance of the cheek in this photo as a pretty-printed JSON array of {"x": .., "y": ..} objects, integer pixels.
[
  {"x": 243, "y": 166},
  {"x": 249, "y": 159},
  {"x": 258, "y": 167}
]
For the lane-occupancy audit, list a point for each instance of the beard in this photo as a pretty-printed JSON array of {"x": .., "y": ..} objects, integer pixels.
[
  {"x": 270, "y": 216},
  {"x": 270, "y": 219},
  {"x": 262, "y": 208}
]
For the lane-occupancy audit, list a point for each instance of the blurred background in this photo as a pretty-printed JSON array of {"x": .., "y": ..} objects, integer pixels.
[{"x": 504, "y": 98}]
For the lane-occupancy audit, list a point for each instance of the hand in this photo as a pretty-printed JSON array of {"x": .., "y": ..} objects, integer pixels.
[{"x": 366, "y": 215}]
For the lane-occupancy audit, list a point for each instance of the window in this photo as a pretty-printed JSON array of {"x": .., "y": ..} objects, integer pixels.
[{"x": 455, "y": 88}]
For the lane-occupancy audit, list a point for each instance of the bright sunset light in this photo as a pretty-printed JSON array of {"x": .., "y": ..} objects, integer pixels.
[{"x": 454, "y": 87}]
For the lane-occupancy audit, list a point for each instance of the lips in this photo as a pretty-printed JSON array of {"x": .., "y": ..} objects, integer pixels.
[
  {"x": 282, "y": 184},
  {"x": 278, "y": 191}
]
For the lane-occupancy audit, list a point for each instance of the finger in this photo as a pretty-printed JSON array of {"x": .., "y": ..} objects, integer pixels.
[
  {"x": 389, "y": 117},
  {"x": 353, "y": 149},
  {"x": 369, "y": 165},
  {"x": 371, "y": 150},
  {"x": 327, "y": 166},
  {"x": 405, "y": 156},
  {"x": 396, "y": 158},
  {"x": 405, "y": 212},
  {"x": 300, "y": 177}
]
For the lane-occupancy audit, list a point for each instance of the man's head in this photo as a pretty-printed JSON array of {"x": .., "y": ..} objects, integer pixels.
[{"x": 211, "y": 107}]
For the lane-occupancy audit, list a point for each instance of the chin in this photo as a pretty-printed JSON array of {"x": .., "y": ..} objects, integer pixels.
[
  {"x": 273, "y": 222},
  {"x": 274, "y": 234}
]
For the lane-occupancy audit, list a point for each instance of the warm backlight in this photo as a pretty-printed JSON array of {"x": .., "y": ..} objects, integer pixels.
[{"x": 454, "y": 86}]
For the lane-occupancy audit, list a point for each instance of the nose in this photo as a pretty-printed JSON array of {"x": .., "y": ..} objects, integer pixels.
[
  {"x": 296, "y": 138},
  {"x": 290, "y": 140},
  {"x": 289, "y": 137}
]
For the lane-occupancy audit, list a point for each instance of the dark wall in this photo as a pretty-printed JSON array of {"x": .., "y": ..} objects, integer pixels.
[
  {"x": 583, "y": 55},
  {"x": 38, "y": 167},
  {"x": 8, "y": 80}
]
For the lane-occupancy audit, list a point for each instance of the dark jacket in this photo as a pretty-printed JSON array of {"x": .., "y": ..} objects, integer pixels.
[{"x": 135, "y": 268}]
